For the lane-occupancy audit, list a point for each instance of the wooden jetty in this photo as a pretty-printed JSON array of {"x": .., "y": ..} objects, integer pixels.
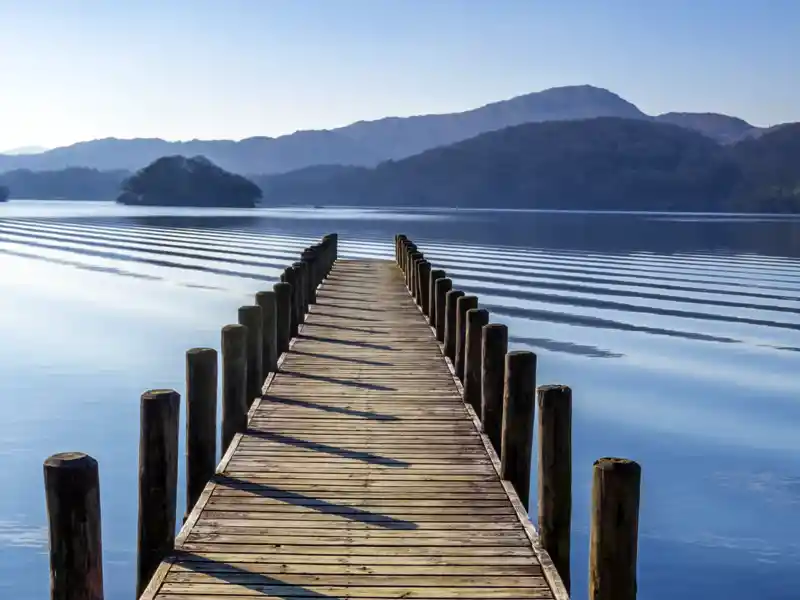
[{"x": 377, "y": 461}]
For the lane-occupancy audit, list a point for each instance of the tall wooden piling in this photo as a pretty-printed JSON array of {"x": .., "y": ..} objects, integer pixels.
[
  {"x": 435, "y": 275},
  {"x": 301, "y": 291},
  {"x": 517, "y": 431},
  {"x": 410, "y": 252},
  {"x": 250, "y": 317},
  {"x": 450, "y": 322},
  {"x": 309, "y": 257},
  {"x": 158, "y": 481},
  {"x": 269, "y": 332},
  {"x": 476, "y": 318},
  {"x": 423, "y": 279},
  {"x": 283, "y": 316},
  {"x": 443, "y": 287},
  {"x": 412, "y": 273},
  {"x": 463, "y": 304},
  {"x": 290, "y": 276},
  {"x": 201, "y": 421},
  {"x": 72, "y": 494},
  {"x": 234, "y": 383},
  {"x": 613, "y": 537},
  {"x": 494, "y": 345},
  {"x": 554, "y": 403}
]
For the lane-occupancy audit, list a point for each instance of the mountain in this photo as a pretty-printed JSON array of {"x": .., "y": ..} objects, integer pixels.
[
  {"x": 365, "y": 143},
  {"x": 25, "y": 150},
  {"x": 181, "y": 181},
  {"x": 75, "y": 183},
  {"x": 722, "y": 128},
  {"x": 605, "y": 163}
]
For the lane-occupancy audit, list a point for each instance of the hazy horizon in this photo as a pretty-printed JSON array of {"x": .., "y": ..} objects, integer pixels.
[{"x": 202, "y": 69}]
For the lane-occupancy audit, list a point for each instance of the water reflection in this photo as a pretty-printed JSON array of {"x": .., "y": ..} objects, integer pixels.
[{"x": 678, "y": 333}]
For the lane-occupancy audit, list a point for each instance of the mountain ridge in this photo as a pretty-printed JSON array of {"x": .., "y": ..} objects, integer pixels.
[{"x": 362, "y": 143}]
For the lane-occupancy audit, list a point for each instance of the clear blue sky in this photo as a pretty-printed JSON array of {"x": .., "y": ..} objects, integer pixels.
[{"x": 72, "y": 70}]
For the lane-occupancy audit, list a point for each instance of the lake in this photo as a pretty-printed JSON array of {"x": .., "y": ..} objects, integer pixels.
[{"x": 679, "y": 335}]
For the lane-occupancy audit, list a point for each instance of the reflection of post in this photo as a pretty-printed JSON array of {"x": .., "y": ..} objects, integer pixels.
[
  {"x": 555, "y": 474},
  {"x": 613, "y": 538},
  {"x": 72, "y": 493}
]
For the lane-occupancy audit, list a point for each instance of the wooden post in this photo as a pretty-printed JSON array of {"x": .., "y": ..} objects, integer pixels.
[
  {"x": 201, "y": 421},
  {"x": 300, "y": 292},
  {"x": 269, "y": 335},
  {"x": 72, "y": 494},
  {"x": 234, "y": 383},
  {"x": 283, "y": 316},
  {"x": 450, "y": 332},
  {"x": 517, "y": 432},
  {"x": 463, "y": 304},
  {"x": 290, "y": 277},
  {"x": 435, "y": 275},
  {"x": 158, "y": 481},
  {"x": 310, "y": 259},
  {"x": 494, "y": 345},
  {"x": 423, "y": 279},
  {"x": 408, "y": 249},
  {"x": 250, "y": 317},
  {"x": 397, "y": 246},
  {"x": 442, "y": 288},
  {"x": 555, "y": 474},
  {"x": 412, "y": 250},
  {"x": 613, "y": 538},
  {"x": 412, "y": 272},
  {"x": 476, "y": 319}
]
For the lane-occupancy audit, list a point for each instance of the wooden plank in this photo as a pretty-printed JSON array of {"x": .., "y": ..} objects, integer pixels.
[{"x": 362, "y": 474}]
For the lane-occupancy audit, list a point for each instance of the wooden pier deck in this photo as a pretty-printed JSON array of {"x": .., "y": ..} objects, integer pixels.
[{"x": 362, "y": 473}]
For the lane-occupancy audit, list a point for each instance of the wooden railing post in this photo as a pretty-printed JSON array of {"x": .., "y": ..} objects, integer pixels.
[
  {"x": 158, "y": 481},
  {"x": 283, "y": 316},
  {"x": 290, "y": 276},
  {"x": 201, "y": 421},
  {"x": 554, "y": 403},
  {"x": 412, "y": 273},
  {"x": 234, "y": 382},
  {"x": 517, "y": 432},
  {"x": 411, "y": 249},
  {"x": 301, "y": 291},
  {"x": 269, "y": 335},
  {"x": 310, "y": 260},
  {"x": 399, "y": 239},
  {"x": 476, "y": 319},
  {"x": 250, "y": 317},
  {"x": 450, "y": 332},
  {"x": 423, "y": 278},
  {"x": 463, "y": 304},
  {"x": 613, "y": 538},
  {"x": 443, "y": 287},
  {"x": 72, "y": 494},
  {"x": 435, "y": 276},
  {"x": 494, "y": 345}
]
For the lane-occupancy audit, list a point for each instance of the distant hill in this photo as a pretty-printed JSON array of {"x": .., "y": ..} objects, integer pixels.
[
  {"x": 181, "y": 181},
  {"x": 722, "y": 128},
  {"x": 4, "y": 193},
  {"x": 365, "y": 143},
  {"x": 76, "y": 183},
  {"x": 603, "y": 163}
]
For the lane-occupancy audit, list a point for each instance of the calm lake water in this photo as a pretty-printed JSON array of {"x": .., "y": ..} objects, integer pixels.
[{"x": 679, "y": 334}]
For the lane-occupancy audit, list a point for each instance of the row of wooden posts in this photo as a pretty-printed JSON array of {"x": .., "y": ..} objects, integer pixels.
[
  {"x": 500, "y": 387},
  {"x": 250, "y": 351}
]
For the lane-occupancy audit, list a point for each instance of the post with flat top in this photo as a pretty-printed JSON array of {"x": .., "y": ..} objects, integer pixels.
[
  {"x": 300, "y": 292},
  {"x": 309, "y": 259},
  {"x": 476, "y": 319},
  {"x": 517, "y": 430},
  {"x": 423, "y": 279},
  {"x": 234, "y": 382},
  {"x": 72, "y": 494},
  {"x": 269, "y": 343},
  {"x": 494, "y": 345},
  {"x": 613, "y": 537},
  {"x": 201, "y": 421},
  {"x": 450, "y": 332},
  {"x": 283, "y": 316},
  {"x": 290, "y": 276},
  {"x": 158, "y": 481},
  {"x": 463, "y": 304},
  {"x": 435, "y": 275},
  {"x": 554, "y": 403},
  {"x": 442, "y": 288},
  {"x": 250, "y": 317},
  {"x": 412, "y": 272}
]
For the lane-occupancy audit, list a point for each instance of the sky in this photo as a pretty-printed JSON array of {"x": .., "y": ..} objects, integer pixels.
[{"x": 229, "y": 69}]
